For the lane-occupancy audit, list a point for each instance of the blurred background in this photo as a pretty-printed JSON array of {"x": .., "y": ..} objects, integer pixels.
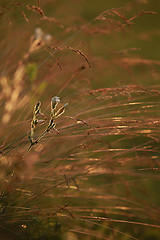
[{"x": 96, "y": 176}]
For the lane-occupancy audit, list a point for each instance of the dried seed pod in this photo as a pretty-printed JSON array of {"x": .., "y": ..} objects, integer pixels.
[
  {"x": 54, "y": 102},
  {"x": 33, "y": 125},
  {"x": 50, "y": 125},
  {"x": 37, "y": 108},
  {"x": 61, "y": 110}
]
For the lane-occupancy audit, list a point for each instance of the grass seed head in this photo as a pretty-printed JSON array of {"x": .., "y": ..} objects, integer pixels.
[
  {"x": 54, "y": 102},
  {"x": 61, "y": 110},
  {"x": 37, "y": 108}
]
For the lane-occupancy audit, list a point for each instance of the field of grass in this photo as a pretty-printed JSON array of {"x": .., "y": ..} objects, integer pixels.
[{"x": 80, "y": 119}]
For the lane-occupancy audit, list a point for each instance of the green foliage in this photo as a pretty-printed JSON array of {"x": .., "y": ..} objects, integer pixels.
[{"x": 31, "y": 72}]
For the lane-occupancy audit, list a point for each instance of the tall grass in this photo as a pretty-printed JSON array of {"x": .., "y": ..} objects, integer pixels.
[{"x": 93, "y": 172}]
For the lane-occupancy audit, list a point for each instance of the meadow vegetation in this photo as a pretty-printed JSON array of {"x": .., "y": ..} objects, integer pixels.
[{"x": 80, "y": 119}]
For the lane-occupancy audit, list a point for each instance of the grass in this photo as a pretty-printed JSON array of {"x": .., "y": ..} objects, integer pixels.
[{"x": 91, "y": 171}]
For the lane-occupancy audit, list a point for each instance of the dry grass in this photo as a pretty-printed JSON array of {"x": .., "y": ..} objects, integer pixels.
[{"x": 91, "y": 171}]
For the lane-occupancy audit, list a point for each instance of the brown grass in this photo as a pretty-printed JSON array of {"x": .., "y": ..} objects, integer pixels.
[{"x": 91, "y": 171}]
